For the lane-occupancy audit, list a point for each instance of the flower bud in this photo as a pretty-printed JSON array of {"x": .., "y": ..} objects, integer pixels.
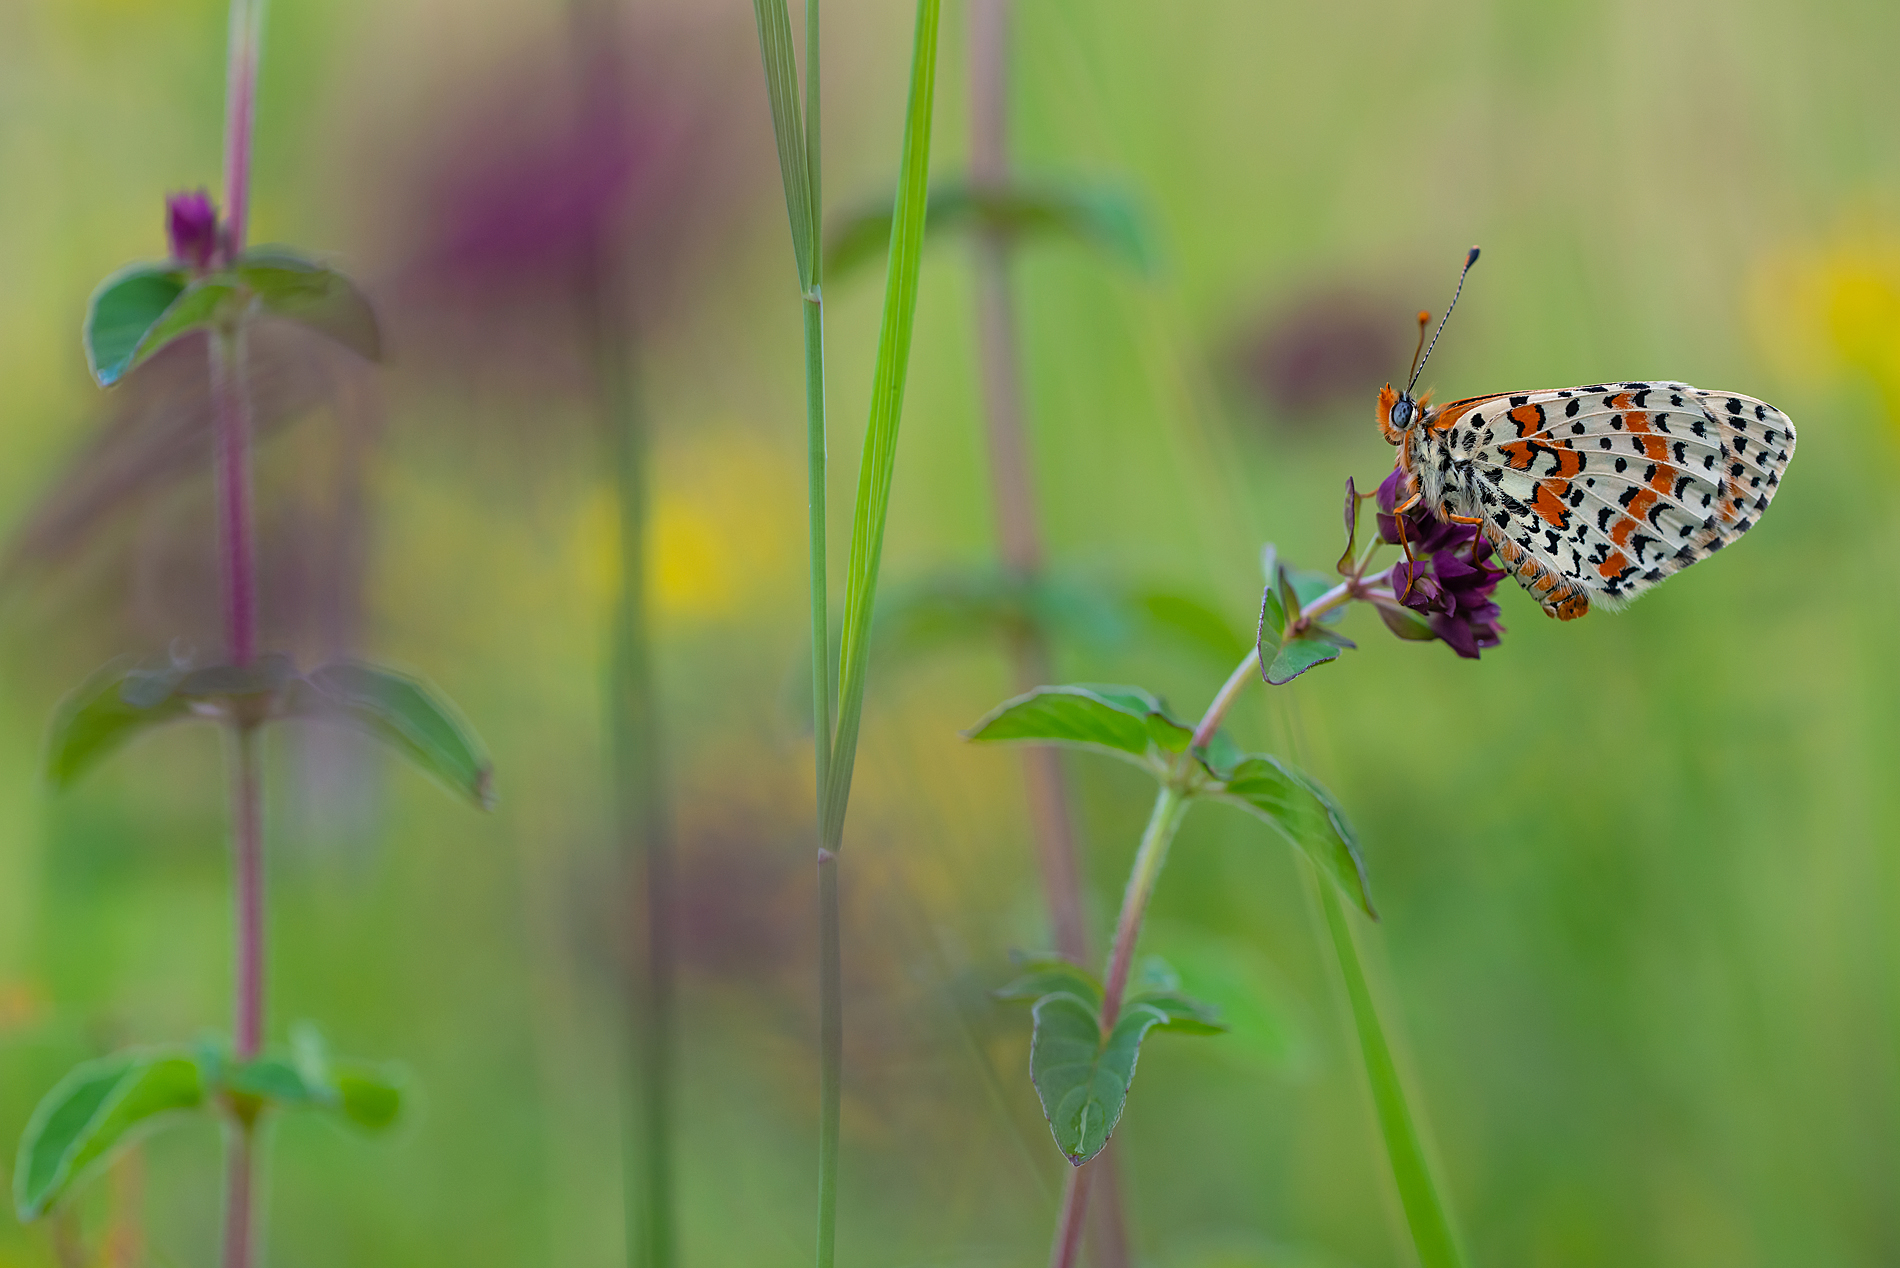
[{"x": 192, "y": 223}]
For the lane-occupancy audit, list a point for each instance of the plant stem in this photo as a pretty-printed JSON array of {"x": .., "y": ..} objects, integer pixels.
[
  {"x": 240, "y": 111},
  {"x": 1224, "y": 699},
  {"x": 1075, "y": 1200},
  {"x": 830, "y": 1052},
  {"x": 1170, "y": 806},
  {"x": 1012, "y": 497},
  {"x": 237, "y": 556},
  {"x": 817, "y": 465},
  {"x": 239, "y": 1170},
  {"x": 237, "y": 559},
  {"x": 642, "y": 823}
]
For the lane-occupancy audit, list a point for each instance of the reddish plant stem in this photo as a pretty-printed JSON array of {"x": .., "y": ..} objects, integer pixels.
[
  {"x": 1019, "y": 543},
  {"x": 240, "y": 111},
  {"x": 239, "y": 1168},
  {"x": 237, "y": 559},
  {"x": 1075, "y": 1201}
]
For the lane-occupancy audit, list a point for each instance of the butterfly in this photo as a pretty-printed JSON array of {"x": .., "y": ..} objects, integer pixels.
[{"x": 1595, "y": 493}]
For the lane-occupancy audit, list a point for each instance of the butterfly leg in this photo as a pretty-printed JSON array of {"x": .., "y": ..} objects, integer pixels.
[
  {"x": 1469, "y": 520},
  {"x": 1398, "y": 518}
]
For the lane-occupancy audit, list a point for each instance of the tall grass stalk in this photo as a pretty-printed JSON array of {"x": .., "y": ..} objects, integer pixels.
[
  {"x": 237, "y": 555},
  {"x": 836, "y": 743},
  {"x": 1427, "y": 1217},
  {"x": 1425, "y": 1212}
]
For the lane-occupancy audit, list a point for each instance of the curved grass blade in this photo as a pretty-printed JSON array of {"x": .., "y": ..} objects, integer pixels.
[{"x": 1425, "y": 1212}]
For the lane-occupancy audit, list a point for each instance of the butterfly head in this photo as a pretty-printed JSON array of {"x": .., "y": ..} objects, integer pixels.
[{"x": 1399, "y": 412}]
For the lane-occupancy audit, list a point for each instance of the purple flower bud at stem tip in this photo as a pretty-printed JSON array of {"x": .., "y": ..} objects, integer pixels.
[{"x": 192, "y": 224}]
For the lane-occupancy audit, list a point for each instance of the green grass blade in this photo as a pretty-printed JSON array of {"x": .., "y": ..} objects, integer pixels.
[
  {"x": 1425, "y": 1212},
  {"x": 781, "y": 82},
  {"x": 887, "y": 400}
]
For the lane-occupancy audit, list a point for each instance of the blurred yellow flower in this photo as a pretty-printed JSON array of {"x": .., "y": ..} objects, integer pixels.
[
  {"x": 717, "y": 534},
  {"x": 1835, "y": 308}
]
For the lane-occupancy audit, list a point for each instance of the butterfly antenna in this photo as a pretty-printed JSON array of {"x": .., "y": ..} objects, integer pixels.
[
  {"x": 1470, "y": 259},
  {"x": 1424, "y": 320}
]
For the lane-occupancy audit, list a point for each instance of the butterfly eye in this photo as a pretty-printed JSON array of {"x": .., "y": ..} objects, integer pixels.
[{"x": 1402, "y": 413}]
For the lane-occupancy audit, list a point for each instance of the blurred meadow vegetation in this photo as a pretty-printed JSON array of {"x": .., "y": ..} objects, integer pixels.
[{"x": 1637, "y": 873}]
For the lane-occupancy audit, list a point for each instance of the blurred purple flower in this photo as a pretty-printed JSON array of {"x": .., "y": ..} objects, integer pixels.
[
  {"x": 543, "y": 223},
  {"x": 1451, "y": 579},
  {"x": 191, "y": 222},
  {"x": 1319, "y": 350}
]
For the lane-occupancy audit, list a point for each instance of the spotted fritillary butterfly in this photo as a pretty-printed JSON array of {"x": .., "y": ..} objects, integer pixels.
[{"x": 1595, "y": 493}]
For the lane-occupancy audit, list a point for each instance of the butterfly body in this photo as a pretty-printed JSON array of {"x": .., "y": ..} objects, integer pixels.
[{"x": 1595, "y": 493}]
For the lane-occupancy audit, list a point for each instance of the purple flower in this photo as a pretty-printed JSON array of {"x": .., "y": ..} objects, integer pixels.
[
  {"x": 192, "y": 223},
  {"x": 1450, "y": 579}
]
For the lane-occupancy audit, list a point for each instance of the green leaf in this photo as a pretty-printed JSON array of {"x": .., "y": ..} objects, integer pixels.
[
  {"x": 1305, "y": 814},
  {"x": 879, "y": 463},
  {"x": 364, "y": 1095},
  {"x": 1272, "y": 626},
  {"x": 272, "y": 1080},
  {"x": 1185, "y": 1014},
  {"x": 1406, "y": 624},
  {"x": 313, "y": 295},
  {"x": 1099, "y": 216},
  {"x": 406, "y": 714},
  {"x": 1081, "y": 1076},
  {"x": 1123, "y": 722},
  {"x": 122, "y": 310},
  {"x": 1350, "y": 555},
  {"x": 369, "y": 1097},
  {"x": 108, "y": 709},
  {"x": 204, "y": 303},
  {"x": 1047, "y": 974},
  {"x": 1425, "y": 1212},
  {"x": 1298, "y": 656},
  {"x": 94, "y": 1111}
]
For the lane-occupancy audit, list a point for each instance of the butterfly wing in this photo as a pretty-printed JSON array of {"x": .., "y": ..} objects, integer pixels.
[{"x": 1597, "y": 493}]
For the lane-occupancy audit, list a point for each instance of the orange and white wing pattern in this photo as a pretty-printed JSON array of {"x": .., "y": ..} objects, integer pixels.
[{"x": 1597, "y": 493}]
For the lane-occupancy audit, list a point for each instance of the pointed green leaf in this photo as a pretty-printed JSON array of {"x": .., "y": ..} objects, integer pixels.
[
  {"x": 1185, "y": 1014},
  {"x": 1096, "y": 215},
  {"x": 1305, "y": 814},
  {"x": 1047, "y": 974},
  {"x": 1350, "y": 554},
  {"x": 104, "y": 712},
  {"x": 93, "y": 1112},
  {"x": 1298, "y": 656},
  {"x": 1124, "y": 722},
  {"x": 1272, "y": 626},
  {"x": 1081, "y": 1077},
  {"x": 1406, "y": 623},
  {"x": 202, "y": 305},
  {"x": 314, "y": 295},
  {"x": 122, "y": 310},
  {"x": 404, "y": 713}
]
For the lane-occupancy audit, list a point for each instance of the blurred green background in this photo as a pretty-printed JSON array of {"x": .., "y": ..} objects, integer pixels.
[{"x": 1637, "y": 872}]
